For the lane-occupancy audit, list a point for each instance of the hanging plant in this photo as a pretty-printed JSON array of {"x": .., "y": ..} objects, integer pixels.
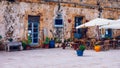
[{"x": 10, "y": 39}]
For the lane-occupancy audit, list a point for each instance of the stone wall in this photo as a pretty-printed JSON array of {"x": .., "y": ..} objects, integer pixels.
[{"x": 14, "y": 18}]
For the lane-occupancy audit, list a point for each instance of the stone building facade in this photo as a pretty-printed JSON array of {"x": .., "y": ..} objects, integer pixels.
[{"x": 15, "y": 15}]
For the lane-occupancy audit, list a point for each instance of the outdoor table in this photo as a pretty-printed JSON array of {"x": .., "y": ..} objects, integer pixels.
[{"x": 9, "y": 44}]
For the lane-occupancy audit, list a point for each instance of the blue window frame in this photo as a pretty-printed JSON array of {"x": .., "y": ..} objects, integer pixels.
[
  {"x": 78, "y": 33},
  {"x": 58, "y": 22},
  {"x": 108, "y": 32},
  {"x": 33, "y": 28}
]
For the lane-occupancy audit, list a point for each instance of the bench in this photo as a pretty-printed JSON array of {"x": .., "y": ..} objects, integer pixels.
[{"x": 10, "y": 44}]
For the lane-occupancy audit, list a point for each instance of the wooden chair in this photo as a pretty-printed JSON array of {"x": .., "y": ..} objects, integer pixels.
[
  {"x": 114, "y": 43},
  {"x": 118, "y": 43},
  {"x": 92, "y": 43},
  {"x": 106, "y": 45}
]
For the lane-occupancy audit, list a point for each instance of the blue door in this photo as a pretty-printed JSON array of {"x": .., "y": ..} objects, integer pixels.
[
  {"x": 78, "y": 33},
  {"x": 108, "y": 33},
  {"x": 33, "y": 29}
]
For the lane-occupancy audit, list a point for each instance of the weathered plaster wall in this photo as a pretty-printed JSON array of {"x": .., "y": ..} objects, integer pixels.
[
  {"x": 14, "y": 16},
  {"x": 2, "y": 24}
]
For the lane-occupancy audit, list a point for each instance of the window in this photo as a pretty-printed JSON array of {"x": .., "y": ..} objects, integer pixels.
[
  {"x": 33, "y": 29},
  {"x": 58, "y": 23},
  {"x": 78, "y": 33},
  {"x": 108, "y": 32}
]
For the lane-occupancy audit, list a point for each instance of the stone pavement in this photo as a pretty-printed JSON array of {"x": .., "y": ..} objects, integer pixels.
[{"x": 59, "y": 58}]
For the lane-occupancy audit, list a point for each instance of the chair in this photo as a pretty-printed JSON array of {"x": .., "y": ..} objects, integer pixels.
[
  {"x": 106, "y": 45},
  {"x": 118, "y": 44},
  {"x": 114, "y": 43},
  {"x": 92, "y": 43}
]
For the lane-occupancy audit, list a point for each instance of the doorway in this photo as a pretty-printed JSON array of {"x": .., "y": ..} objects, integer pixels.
[
  {"x": 78, "y": 33},
  {"x": 33, "y": 29}
]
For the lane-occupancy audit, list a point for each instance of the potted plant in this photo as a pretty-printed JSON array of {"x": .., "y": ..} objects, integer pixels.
[
  {"x": 1, "y": 43},
  {"x": 0, "y": 40},
  {"x": 80, "y": 50},
  {"x": 52, "y": 43},
  {"x": 64, "y": 44},
  {"x": 10, "y": 39},
  {"x": 69, "y": 40},
  {"x": 26, "y": 43},
  {"x": 46, "y": 42},
  {"x": 57, "y": 42}
]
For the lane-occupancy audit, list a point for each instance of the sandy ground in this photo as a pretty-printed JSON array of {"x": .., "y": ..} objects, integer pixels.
[{"x": 59, "y": 58}]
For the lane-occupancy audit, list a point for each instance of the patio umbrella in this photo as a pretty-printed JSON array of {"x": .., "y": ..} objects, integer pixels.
[
  {"x": 114, "y": 25},
  {"x": 95, "y": 22}
]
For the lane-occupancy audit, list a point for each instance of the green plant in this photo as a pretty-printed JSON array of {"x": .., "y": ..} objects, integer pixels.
[
  {"x": 57, "y": 40},
  {"x": 69, "y": 39},
  {"x": 0, "y": 37},
  {"x": 24, "y": 44},
  {"x": 28, "y": 41},
  {"x": 10, "y": 39},
  {"x": 46, "y": 40},
  {"x": 0, "y": 40},
  {"x": 82, "y": 47}
]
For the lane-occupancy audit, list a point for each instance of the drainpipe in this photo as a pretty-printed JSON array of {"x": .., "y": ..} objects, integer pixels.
[
  {"x": 99, "y": 16},
  {"x": 99, "y": 8}
]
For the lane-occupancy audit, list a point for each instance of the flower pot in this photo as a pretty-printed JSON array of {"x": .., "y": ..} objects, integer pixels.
[
  {"x": 63, "y": 46},
  {"x": 52, "y": 44},
  {"x": 97, "y": 48},
  {"x": 46, "y": 45},
  {"x": 28, "y": 47},
  {"x": 79, "y": 52},
  {"x": 75, "y": 46}
]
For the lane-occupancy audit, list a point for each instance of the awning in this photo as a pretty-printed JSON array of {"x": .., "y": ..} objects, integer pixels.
[
  {"x": 96, "y": 22},
  {"x": 114, "y": 25}
]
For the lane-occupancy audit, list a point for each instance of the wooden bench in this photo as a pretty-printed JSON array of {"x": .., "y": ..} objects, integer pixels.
[{"x": 14, "y": 44}]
